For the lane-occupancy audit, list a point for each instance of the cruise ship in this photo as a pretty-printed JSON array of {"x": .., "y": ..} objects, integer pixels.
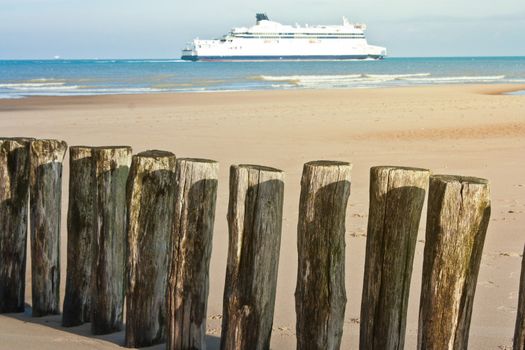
[{"x": 270, "y": 40}]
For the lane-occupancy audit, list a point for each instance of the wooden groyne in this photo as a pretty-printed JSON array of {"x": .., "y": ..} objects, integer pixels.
[{"x": 140, "y": 231}]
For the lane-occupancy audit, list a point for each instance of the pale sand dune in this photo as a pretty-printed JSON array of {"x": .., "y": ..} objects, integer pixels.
[{"x": 468, "y": 130}]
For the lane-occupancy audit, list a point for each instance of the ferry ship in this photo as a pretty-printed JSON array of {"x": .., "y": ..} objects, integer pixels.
[{"x": 269, "y": 40}]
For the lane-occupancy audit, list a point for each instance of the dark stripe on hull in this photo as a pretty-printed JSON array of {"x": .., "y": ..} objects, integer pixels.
[{"x": 277, "y": 58}]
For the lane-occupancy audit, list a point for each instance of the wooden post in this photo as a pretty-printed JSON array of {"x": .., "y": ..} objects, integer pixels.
[
  {"x": 46, "y": 158},
  {"x": 457, "y": 220},
  {"x": 196, "y": 195},
  {"x": 519, "y": 332},
  {"x": 14, "y": 199},
  {"x": 254, "y": 222},
  {"x": 397, "y": 195},
  {"x": 111, "y": 168},
  {"x": 150, "y": 202},
  {"x": 320, "y": 295},
  {"x": 80, "y": 236}
]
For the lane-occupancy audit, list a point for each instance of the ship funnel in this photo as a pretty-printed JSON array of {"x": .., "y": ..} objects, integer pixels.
[{"x": 261, "y": 17}]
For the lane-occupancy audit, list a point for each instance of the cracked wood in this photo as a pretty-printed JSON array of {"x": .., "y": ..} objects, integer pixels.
[{"x": 320, "y": 295}]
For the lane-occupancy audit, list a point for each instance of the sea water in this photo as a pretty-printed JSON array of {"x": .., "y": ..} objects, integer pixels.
[{"x": 21, "y": 78}]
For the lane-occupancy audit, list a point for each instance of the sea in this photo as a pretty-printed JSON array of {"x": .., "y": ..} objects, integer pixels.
[{"x": 62, "y": 77}]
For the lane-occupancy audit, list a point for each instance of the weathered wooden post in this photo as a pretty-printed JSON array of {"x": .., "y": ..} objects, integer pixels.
[
  {"x": 150, "y": 203},
  {"x": 397, "y": 195},
  {"x": 254, "y": 222},
  {"x": 111, "y": 168},
  {"x": 46, "y": 158},
  {"x": 196, "y": 195},
  {"x": 320, "y": 295},
  {"x": 14, "y": 199},
  {"x": 519, "y": 332},
  {"x": 80, "y": 236},
  {"x": 457, "y": 220}
]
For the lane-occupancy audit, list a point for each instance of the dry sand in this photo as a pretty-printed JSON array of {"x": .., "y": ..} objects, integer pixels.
[{"x": 466, "y": 130}]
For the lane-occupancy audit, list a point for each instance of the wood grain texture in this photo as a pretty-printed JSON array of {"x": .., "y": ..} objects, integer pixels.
[
  {"x": 519, "y": 332},
  {"x": 196, "y": 197},
  {"x": 80, "y": 235},
  {"x": 397, "y": 195},
  {"x": 14, "y": 201},
  {"x": 150, "y": 204},
  {"x": 254, "y": 223},
  {"x": 46, "y": 158},
  {"x": 320, "y": 295},
  {"x": 457, "y": 221},
  {"x": 111, "y": 168}
]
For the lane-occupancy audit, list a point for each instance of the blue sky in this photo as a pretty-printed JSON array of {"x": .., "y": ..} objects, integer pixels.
[{"x": 160, "y": 28}]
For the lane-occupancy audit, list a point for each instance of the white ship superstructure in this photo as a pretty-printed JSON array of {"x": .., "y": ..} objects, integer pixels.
[{"x": 268, "y": 40}]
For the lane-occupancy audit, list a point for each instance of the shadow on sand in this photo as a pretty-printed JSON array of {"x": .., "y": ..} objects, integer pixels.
[{"x": 55, "y": 322}]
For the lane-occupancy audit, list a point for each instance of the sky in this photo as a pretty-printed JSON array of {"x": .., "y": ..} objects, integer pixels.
[{"x": 41, "y": 29}]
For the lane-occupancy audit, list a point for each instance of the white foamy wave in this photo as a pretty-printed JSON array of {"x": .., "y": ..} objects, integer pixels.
[
  {"x": 83, "y": 91},
  {"x": 396, "y": 76},
  {"x": 375, "y": 80},
  {"x": 461, "y": 78},
  {"x": 47, "y": 88},
  {"x": 301, "y": 78},
  {"x": 345, "y": 79},
  {"x": 29, "y": 85},
  {"x": 121, "y": 90}
]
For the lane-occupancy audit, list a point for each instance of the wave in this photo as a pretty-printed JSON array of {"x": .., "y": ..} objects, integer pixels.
[
  {"x": 309, "y": 79},
  {"x": 299, "y": 78},
  {"x": 370, "y": 80},
  {"x": 122, "y": 90},
  {"x": 30, "y": 85},
  {"x": 38, "y": 87},
  {"x": 396, "y": 76},
  {"x": 77, "y": 91},
  {"x": 463, "y": 78}
]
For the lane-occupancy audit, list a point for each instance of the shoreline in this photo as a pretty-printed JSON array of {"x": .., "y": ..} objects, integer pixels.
[{"x": 45, "y": 101}]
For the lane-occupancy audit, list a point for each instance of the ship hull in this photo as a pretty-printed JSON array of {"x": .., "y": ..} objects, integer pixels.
[{"x": 281, "y": 58}]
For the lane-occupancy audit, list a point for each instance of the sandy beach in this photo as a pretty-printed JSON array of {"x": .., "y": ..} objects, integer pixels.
[{"x": 458, "y": 129}]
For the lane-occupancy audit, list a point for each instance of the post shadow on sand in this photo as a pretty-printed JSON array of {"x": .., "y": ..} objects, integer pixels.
[{"x": 84, "y": 330}]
